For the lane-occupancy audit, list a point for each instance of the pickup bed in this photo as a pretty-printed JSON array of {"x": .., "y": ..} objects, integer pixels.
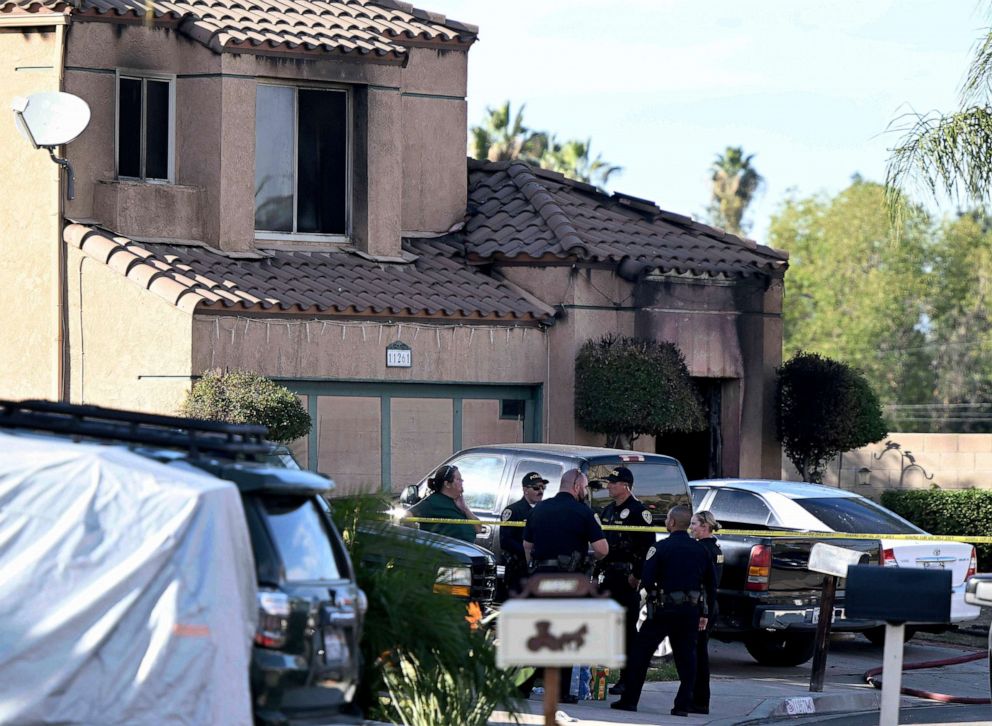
[{"x": 770, "y": 601}]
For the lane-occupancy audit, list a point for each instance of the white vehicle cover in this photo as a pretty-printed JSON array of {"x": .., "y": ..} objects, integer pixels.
[{"x": 127, "y": 589}]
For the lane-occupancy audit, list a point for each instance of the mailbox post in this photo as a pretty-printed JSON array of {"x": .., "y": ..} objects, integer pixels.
[
  {"x": 832, "y": 562},
  {"x": 560, "y": 620},
  {"x": 897, "y": 595}
]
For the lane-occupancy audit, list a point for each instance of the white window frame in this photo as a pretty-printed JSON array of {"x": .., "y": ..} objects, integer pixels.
[
  {"x": 266, "y": 235},
  {"x": 144, "y": 76}
]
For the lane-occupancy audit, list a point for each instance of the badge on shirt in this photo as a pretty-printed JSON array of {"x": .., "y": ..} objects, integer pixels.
[
  {"x": 719, "y": 559},
  {"x": 646, "y": 515},
  {"x": 505, "y": 516},
  {"x": 650, "y": 554},
  {"x": 624, "y": 513}
]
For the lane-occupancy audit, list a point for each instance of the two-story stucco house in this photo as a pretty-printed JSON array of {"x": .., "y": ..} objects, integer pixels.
[{"x": 282, "y": 187}]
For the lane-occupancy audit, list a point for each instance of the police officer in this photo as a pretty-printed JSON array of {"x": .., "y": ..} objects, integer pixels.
[
  {"x": 681, "y": 584},
  {"x": 701, "y": 528},
  {"x": 558, "y": 535},
  {"x": 511, "y": 539},
  {"x": 621, "y": 569}
]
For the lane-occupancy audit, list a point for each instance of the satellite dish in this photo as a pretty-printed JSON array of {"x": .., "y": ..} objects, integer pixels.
[{"x": 50, "y": 119}]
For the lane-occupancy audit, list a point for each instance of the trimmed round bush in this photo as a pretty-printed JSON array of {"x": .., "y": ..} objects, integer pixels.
[{"x": 241, "y": 397}]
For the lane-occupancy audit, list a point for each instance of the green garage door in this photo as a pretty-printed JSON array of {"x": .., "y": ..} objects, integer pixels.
[{"x": 383, "y": 436}]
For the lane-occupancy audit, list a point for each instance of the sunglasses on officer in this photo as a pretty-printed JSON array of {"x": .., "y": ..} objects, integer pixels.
[{"x": 538, "y": 487}]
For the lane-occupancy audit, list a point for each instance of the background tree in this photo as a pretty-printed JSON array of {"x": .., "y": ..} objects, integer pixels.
[
  {"x": 572, "y": 158},
  {"x": 855, "y": 294},
  {"x": 625, "y": 387},
  {"x": 949, "y": 153},
  {"x": 960, "y": 319},
  {"x": 824, "y": 408},
  {"x": 734, "y": 183},
  {"x": 248, "y": 398},
  {"x": 502, "y": 136}
]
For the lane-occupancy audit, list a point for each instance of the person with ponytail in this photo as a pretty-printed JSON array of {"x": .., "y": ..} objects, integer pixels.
[{"x": 447, "y": 501}]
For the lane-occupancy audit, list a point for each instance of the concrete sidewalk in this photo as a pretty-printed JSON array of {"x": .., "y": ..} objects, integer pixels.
[{"x": 747, "y": 693}]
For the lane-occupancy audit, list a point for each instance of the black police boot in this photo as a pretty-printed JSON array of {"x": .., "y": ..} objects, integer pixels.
[
  {"x": 621, "y": 706},
  {"x": 679, "y": 712},
  {"x": 617, "y": 689}
]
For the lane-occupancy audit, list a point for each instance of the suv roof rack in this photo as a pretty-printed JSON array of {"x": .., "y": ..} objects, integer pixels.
[{"x": 94, "y": 423}]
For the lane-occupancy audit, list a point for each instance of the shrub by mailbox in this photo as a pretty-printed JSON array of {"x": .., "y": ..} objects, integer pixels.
[{"x": 898, "y": 594}]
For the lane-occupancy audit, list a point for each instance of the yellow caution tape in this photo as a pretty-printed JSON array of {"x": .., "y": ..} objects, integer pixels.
[{"x": 744, "y": 532}]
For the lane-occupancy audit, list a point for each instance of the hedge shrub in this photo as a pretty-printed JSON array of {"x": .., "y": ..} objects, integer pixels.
[
  {"x": 247, "y": 398},
  {"x": 960, "y": 512},
  {"x": 625, "y": 387}
]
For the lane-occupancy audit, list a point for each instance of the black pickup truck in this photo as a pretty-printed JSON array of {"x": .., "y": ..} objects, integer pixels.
[{"x": 768, "y": 599}]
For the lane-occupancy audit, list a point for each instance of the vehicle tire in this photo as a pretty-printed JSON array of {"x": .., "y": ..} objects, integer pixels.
[
  {"x": 876, "y": 636},
  {"x": 781, "y": 649}
]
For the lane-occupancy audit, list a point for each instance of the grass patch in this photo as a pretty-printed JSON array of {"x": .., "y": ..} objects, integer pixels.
[{"x": 664, "y": 671}]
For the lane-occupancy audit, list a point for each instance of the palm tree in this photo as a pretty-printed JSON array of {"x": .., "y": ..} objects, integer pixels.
[
  {"x": 572, "y": 158},
  {"x": 502, "y": 136},
  {"x": 735, "y": 182},
  {"x": 949, "y": 153},
  {"x": 500, "y": 139}
]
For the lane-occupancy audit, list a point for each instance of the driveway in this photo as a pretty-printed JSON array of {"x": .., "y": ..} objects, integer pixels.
[{"x": 746, "y": 692}]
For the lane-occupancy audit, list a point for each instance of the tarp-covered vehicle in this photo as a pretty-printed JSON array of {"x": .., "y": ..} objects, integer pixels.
[{"x": 172, "y": 578}]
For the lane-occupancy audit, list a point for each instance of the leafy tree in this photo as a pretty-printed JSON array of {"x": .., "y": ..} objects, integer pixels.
[
  {"x": 949, "y": 152},
  {"x": 824, "y": 408},
  {"x": 960, "y": 315},
  {"x": 502, "y": 136},
  {"x": 625, "y": 387},
  {"x": 735, "y": 182},
  {"x": 248, "y": 398},
  {"x": 855, "y": 294}
]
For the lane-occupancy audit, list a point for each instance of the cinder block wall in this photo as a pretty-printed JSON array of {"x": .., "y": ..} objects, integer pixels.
[{"x": 955, "y": 461}]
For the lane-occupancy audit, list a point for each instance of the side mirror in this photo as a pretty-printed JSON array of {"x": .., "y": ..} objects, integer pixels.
[
  {"x": 410, "y": 495},
  {"x": 978, "y": 591}
]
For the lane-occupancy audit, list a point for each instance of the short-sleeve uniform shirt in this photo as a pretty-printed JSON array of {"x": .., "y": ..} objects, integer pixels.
[{"x": 560, "y": 526}]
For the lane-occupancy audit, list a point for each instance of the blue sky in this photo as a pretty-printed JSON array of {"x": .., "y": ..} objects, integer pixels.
[{"x": 662, "y": 86}]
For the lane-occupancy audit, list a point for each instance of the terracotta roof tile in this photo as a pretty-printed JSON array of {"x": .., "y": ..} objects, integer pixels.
[
  {"x": 515, "y": 211},
  {"x": 380, "y": 30},
  {"x": 197, "y": 279}
]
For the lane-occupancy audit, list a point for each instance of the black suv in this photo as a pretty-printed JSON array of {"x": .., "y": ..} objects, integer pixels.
[{"x": 305, "y": 659}]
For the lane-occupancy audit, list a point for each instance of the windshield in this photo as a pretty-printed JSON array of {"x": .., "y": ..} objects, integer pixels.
[
  {"x": 658, "y": 486},
  {"x": 302, "y": 539},
  {"x": 856, "y": 514}
]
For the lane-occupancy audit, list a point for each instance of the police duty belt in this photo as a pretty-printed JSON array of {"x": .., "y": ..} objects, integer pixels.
[{"x": 744, "y": 532}]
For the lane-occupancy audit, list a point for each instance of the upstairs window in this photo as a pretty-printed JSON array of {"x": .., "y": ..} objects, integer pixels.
[
  {"x": 145, "y": 127},
  {"x": 301, "y": 161}
]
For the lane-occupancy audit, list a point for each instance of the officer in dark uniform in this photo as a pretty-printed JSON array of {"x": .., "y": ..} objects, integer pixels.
[
  {"x": 511, "y": 539},
  {"x": 558, "y": 536},
  {"x": 681, "y": 584},
  {"x": 701, "y": 528},
  {"x": 621, "y": 569}
]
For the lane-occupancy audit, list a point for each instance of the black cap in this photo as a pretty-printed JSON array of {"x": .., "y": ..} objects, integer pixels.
[
  {"x": 621, "y": 474},
  {"x": 533, "y": 478}
]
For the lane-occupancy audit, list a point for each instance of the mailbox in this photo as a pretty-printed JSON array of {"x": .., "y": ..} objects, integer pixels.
[
  {"x": 561, "y": 632},
  {"x": 832, "y": 560},
  {"x": 898, "y": 594}
]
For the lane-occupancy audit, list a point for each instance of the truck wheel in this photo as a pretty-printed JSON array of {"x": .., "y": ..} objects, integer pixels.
[
  {"x": 876, "y": 636},
  {"x": 781, "y": 649}
]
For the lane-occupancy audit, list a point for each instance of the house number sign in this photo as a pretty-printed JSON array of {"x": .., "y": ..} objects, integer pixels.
[{"x": 398, "y": 355}]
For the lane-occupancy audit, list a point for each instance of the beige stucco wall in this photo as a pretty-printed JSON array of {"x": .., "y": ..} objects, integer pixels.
[
  {"x": 955, "y": 461},
  {"x": 334, "y": 349},
  {"x": 30, "y": 228},
  {"x": 129, "y": 348},
  {"x": 409, "y": 146}
]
